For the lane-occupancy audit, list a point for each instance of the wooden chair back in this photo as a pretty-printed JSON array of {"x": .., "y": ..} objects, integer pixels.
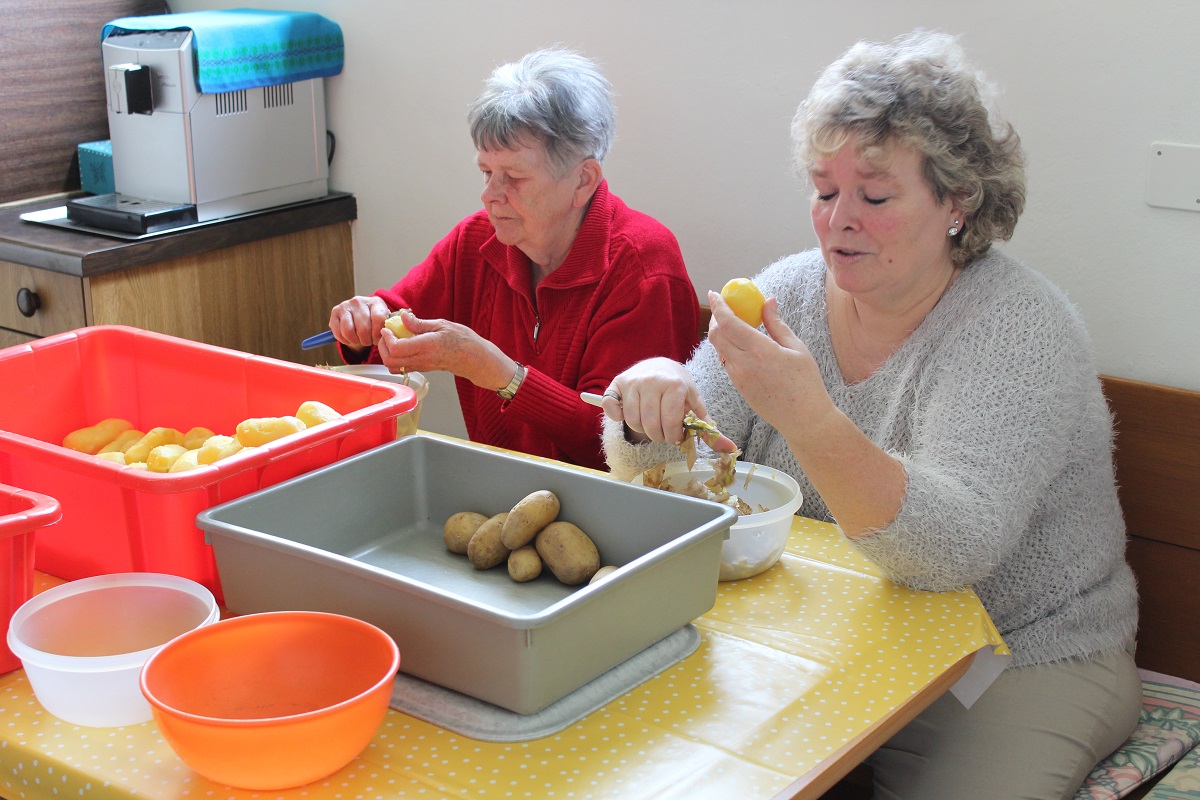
[{"x": 1158, "y": 477}]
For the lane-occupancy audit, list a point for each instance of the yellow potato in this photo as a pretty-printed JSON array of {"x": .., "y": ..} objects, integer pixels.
[
  {"x": 187, "y": 460},
  {"x": 123, "y": 442},
  {"x": 115, "y": 456},
  {"x": 459, "y": 529},
  {"x": 138, "y": 465},
  {"x": 139, "y": 450},
  {"x": 485, "y": 550},
  {"x": 524, "y": 564},
  {"x": 395, "y": 324},
  {"x": 534, "y": 512},
  {"x": 602, "y": 573},
  {"x": 261, "y": 430},
  {"x": 217, "y": 447},
  {"x": 162, "y": 457},
  {"x": 93, "y": 438},
  {"x": 569, "y": 553},
  {"x": 314, "y": 412},
  {"x": 745, "y": 300},
  {"x": 196, "y": 437}
]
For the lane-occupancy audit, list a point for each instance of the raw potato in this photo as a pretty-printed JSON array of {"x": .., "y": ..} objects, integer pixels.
[
  {"x": 140, "y": 450},
  {"x": 534, "y": 512},
  {"x": 92, "y": 439},
  {"x": 485, "y": 550},
  {"x": 196, "y": 437},
  {"x": 123, "y": 442},
  {"x": 569, "y": 553},
  {"x": 459, "y": 529},
  {"x": 115, "y": 456},
  {"x": 524, "y": 564},
  {"x": 261, "y": 430},
  {"x": 162, "y": 457},
  {"x": 314, "y": 412},
  {"x": 602, "y": 573}
]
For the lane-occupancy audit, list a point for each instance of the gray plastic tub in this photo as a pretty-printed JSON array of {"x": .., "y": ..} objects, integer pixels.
[{"x": 363, "y": 537}]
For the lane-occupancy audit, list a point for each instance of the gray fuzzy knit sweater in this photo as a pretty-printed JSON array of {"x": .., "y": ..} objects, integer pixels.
[{"x": 995, "y": 410}]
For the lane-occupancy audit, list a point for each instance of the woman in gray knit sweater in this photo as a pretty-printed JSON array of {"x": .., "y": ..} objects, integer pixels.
[{"x": 938, "y": 401}]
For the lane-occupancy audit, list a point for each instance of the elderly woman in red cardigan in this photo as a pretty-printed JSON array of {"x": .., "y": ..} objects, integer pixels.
[{"x": 552, "y": 289}]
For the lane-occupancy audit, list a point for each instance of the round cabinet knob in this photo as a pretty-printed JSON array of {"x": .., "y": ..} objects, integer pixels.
[{"x": 28, "y": 302}]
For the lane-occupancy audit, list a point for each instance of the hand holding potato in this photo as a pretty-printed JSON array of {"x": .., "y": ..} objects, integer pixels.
[{"x": 358, "y": 321}]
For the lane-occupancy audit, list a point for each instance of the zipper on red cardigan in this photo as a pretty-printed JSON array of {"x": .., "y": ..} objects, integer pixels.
[{"x": 537, "y": 325}]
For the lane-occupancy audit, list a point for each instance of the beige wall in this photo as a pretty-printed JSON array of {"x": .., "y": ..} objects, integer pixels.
[{"x": 705, "y": 93}]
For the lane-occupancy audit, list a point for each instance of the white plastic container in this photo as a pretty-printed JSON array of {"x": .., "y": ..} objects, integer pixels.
[
  {"x": 406, "y": 424},
  {"x": 756, "y": 540},
  {"x": 83, "y": 643}
]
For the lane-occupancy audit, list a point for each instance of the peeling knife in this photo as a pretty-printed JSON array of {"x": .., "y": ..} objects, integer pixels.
[{"x": 318, "y": 340}]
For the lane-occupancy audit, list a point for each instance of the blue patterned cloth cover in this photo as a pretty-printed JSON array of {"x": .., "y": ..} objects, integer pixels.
[{"x": 241, "y": 48}]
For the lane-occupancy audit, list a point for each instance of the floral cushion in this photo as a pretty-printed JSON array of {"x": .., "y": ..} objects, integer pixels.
[
  {"x": 1168, "y": 730},
  {"x": 1182, "y": 782}
]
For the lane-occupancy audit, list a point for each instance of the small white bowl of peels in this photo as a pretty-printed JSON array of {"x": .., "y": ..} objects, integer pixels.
[{"x": 765, "y": 498}]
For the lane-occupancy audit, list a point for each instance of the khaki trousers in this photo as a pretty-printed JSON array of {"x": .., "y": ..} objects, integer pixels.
[{"x": 1035, "y": 734}]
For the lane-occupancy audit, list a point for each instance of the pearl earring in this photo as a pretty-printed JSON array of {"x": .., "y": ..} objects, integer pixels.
[{"x": 953, "y": 229}]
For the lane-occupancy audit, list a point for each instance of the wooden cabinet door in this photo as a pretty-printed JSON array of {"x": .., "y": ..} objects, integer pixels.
[{"x": 260, "y": 297}]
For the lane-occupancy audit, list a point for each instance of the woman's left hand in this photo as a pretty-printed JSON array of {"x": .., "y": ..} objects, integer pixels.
[
  {"x": 438, "y": 344},
  {"x": 775, "y": 372}
]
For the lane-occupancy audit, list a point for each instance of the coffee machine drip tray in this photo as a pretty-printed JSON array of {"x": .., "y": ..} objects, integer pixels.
[{"x": 118, "y": 212}]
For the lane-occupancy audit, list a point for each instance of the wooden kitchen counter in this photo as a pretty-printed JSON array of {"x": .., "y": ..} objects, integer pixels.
[{"x": 259, "y": 283}]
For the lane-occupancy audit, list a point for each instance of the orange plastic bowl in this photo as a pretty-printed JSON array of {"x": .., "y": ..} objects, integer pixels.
[{"x": 274, "y": 700}]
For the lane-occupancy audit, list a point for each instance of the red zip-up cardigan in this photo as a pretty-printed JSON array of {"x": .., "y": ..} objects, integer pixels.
[{"x": 622, "y": 295}]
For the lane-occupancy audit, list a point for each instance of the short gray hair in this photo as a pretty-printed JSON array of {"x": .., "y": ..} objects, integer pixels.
[
  {"x": 919, "y": 91},
  {"x": 553, "y": 96}
]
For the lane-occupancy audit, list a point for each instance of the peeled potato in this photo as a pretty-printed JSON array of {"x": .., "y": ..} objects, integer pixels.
[
  {"x": 115, "y": 456},
  {"x": 395, "y": 324},
  {"x": 162, "y": 457},
  {"x": 123, "y": 442},
  {"x": 217, "y": 447},
  {"x": 745, "y": 300},
  {"x": 186, "y": 461},
  {"x": 261, "y": 430},
  {"x": 155, "y": 437},
  {"x": 196, "y": 437},
  {"x": 314, "y": 412},
  {"x": 93, "y": 438}
]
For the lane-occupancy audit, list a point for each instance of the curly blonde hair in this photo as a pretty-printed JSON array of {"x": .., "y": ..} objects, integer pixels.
[{"x": 919, "y": 91}]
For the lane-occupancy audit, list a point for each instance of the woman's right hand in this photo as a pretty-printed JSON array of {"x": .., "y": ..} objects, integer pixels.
[
  {"x": 654, "y": 395},
  {"x": 357, "y": 322}
]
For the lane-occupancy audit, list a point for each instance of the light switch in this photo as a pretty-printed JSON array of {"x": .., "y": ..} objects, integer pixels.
[{"x": 1173, "y": 176}]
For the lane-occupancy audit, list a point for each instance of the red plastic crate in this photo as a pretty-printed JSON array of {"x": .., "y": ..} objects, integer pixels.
[
  {"x": 22, "y": 513},
  {"x": 117, "y": 519}
]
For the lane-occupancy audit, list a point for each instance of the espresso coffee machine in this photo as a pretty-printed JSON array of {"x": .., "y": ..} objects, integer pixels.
[{"x": 181, "y": 155}]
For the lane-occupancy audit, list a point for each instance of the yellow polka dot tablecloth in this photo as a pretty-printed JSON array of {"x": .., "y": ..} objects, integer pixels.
[{"x": 793, "y": 665}]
